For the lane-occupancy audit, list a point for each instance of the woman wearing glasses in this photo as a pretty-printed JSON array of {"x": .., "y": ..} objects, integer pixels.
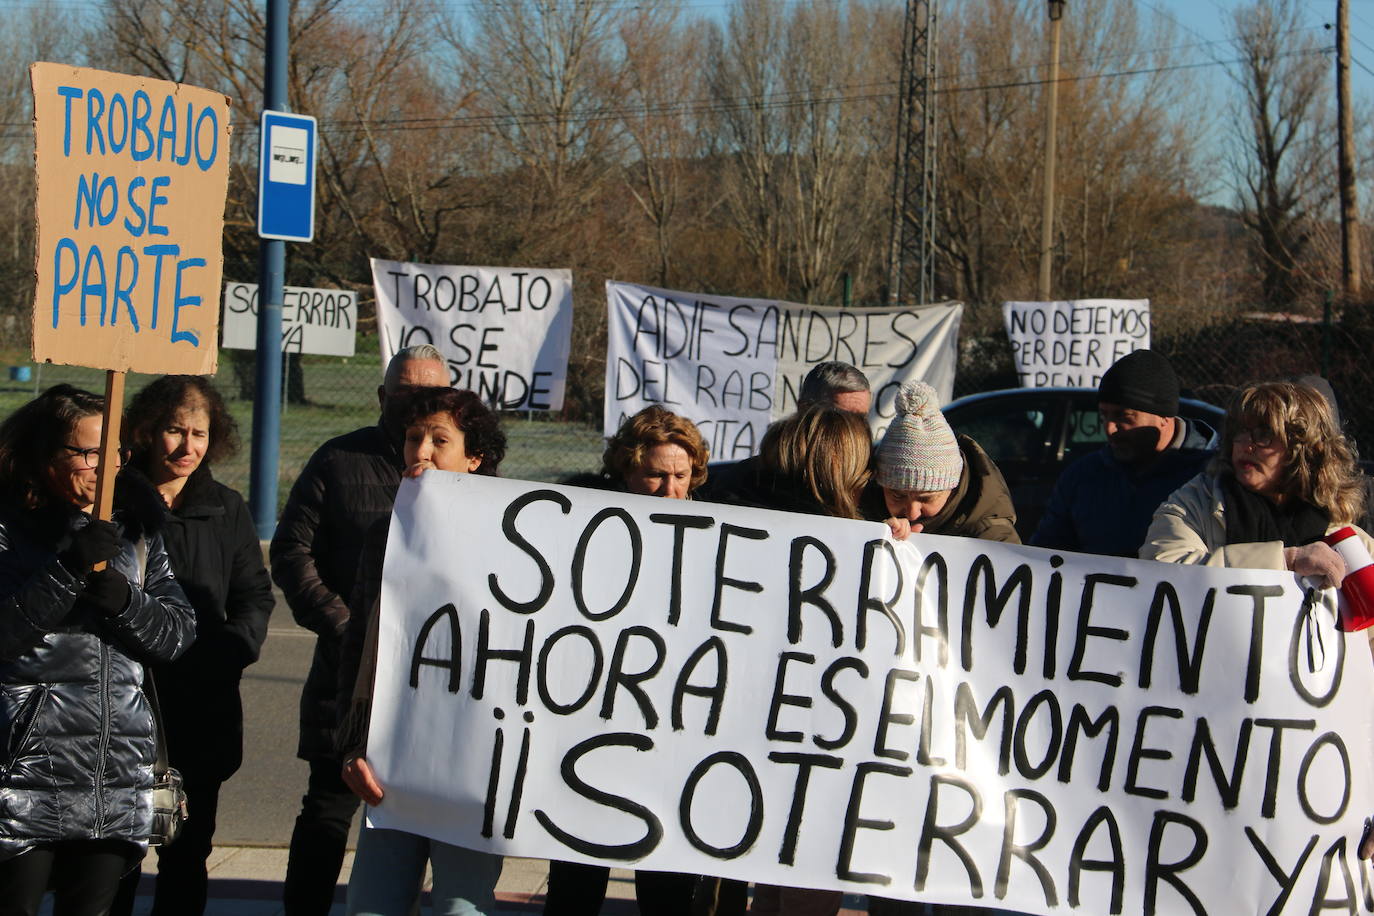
[
  {"x": 176, "y": 428},
  {"x": 1284, "y": 477},
  {"x": 76, "y": 774}
]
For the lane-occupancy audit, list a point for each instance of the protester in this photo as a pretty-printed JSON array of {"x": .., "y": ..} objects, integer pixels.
[
  {"x": 654, "y": 453},
  {"x": 929, "y": 481},
  {"x": 1284, "y": 477},
  {"x": 347, "y": 485},
  {"x": 837, "y": 384},
  {"x": 446, "y": 430},
  {"x": 815, "y": 461},
  {"x": 1103, "y": 502},
  {"x": 176, "y": 428},
  {"x": 1323, "y": 387},
  {"x": 76, "y": 800}
]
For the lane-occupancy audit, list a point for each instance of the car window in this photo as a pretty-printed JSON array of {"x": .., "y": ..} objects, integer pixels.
[
  {"x": 1085, "y": 433},
  {"x": 1007, "y": 432}
]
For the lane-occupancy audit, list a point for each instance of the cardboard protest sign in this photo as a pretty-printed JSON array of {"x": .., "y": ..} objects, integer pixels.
[
  {"x": 319, "y": 321},
  {"x": 573, "y": 674},
  {"x": 1073, "y": 343},
  {"x": 505, "y": 331},
  {"x": 732, "y": 366},
  {"x": 132, "y": 176}
]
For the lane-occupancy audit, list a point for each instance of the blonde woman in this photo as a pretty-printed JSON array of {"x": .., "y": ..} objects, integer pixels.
[{"x": 1284, "y": 477}]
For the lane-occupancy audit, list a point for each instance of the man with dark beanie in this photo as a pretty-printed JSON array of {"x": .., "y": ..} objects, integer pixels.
[{"x": 1103, "y": 502}]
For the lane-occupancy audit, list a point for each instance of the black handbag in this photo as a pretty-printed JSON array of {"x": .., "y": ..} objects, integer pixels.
[{"x": 169, "y": 796}]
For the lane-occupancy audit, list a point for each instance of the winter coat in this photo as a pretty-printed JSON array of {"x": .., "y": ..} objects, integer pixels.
[
  {"x": 347, "y": 485},
  {"x": 77, "y": 728},
  {"x": 1100, "y": 505},
  {"x": 358, "y": 655},
  {"x": 1190, "y": 527},
  {"x": 750, "y": 483},
  {"x": 217, "y": 559},
  {"x": 979, "y": 507}
]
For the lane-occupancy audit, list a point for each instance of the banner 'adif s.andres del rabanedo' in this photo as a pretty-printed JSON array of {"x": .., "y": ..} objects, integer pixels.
[
  {"x": 599, "y": 677},
  {"x": 732, "y": 366},
  {"x": 504, "y": 331}
]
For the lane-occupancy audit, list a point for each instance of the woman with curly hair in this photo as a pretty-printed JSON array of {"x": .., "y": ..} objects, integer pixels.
[
  {"x": 445, "y": 430},
  {"x": 656, "y": 453},
  {"x": 1284, "y": 477},
  {"x": 176, "y": 428},
  {"x": 653, "y": 453}
]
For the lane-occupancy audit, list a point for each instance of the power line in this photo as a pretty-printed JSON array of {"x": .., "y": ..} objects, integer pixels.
[{"x": 711, "y": 106}]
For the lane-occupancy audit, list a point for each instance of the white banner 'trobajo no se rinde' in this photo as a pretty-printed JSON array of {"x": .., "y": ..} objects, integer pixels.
[
  {"x": 732, "y": 366},
  {"x": 598, "y": 677},
  {"x": 504, "y": 331}
]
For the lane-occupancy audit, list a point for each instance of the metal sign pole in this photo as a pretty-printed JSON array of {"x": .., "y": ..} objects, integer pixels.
[{"x": 271, "y": 279}]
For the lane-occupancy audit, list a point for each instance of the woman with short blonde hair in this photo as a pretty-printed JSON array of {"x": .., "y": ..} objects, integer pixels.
[{"x": 824, "y": 449}]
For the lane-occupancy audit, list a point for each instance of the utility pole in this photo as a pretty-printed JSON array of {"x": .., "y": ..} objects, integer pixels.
[
  {"x": 911, "y": 265},
  {"x": 1350, "y": 212},
  {"x": 1056, "y": 11}
]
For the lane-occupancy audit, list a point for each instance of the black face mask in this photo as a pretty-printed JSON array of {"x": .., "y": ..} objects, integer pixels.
[{"x": 1135, "y": 446}]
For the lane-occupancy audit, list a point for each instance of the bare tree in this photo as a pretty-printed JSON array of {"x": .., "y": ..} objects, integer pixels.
[
  {"x": 1126, "y": 153},
  {"x": 545, "y": 81},
  {"x": 837, "y": 165},
  {"x": 744, "y": 61},
  {"x": 1283, "y": 144},
  {"x": 659, "y": 118}
]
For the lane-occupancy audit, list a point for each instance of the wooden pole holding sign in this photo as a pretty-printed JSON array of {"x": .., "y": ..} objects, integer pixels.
[{"x": 109, "y": 445}]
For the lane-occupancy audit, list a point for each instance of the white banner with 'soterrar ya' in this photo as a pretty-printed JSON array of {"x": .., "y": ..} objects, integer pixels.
[{"x": 606, "y": 678}]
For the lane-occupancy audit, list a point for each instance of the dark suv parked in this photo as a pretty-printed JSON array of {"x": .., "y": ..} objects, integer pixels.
[{"x": 1034, "y": 433}]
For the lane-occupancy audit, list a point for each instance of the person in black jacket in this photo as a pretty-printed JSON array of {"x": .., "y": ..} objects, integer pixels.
[
  {"x": 347, "y": 485},
  {"x": 176, "y": 428},
  {"x": 77, "y": 774}
]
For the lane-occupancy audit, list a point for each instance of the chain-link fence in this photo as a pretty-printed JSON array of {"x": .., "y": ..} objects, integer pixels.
[
  {"x": 328, "y": 396},
  {"x": 331, "y": 396},
  {"x": 1212, "y": 361}
]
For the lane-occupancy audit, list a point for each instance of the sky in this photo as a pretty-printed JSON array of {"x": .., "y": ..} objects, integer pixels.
[{"x": 1208, "y": 20}]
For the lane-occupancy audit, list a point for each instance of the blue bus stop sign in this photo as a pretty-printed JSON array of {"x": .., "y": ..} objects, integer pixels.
[{"x": 286, "y": 177}]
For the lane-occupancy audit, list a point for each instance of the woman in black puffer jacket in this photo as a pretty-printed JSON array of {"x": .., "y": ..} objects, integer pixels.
[
  {"x": 176, "y": 428},
  {"x": 77, "y": 771}
]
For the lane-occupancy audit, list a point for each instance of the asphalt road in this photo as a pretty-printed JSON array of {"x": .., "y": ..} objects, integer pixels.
[{"x": 259, "y": 805}]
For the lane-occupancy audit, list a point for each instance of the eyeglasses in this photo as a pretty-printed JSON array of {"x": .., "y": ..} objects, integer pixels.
[
  {"x": 1259, "y": 438},
  {"x": 91, "y": 456}
]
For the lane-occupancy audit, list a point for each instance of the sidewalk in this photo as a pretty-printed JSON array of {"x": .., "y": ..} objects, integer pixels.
[{"x": 246, "y": 881}]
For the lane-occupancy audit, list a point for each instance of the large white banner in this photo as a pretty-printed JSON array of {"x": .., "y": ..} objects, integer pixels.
[
  {"x": 504, "y": 331},
  {"x": 732, "y": 366},
  {"x": 319, "y": 321},
  {"x": 1073, "y": 343},
  {"x": 598, "y": 677}
]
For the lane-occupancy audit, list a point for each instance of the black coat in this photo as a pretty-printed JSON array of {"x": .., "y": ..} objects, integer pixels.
[
  {"x": 217, "y": 560},
  {"x": 76, "y": 726},
  {"x": 347, "y": 485}
]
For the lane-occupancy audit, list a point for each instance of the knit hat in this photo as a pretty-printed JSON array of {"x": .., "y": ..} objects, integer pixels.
[
  {"x": 919, "y": 453},
  {"x": 1141, "y": 380}
]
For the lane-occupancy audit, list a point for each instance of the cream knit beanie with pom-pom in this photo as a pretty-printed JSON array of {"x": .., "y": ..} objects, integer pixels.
[{"x": 919, "y": 453}]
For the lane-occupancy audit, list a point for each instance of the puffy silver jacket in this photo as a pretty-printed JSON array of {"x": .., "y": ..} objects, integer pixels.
[{"x": 77, "y": 728}]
